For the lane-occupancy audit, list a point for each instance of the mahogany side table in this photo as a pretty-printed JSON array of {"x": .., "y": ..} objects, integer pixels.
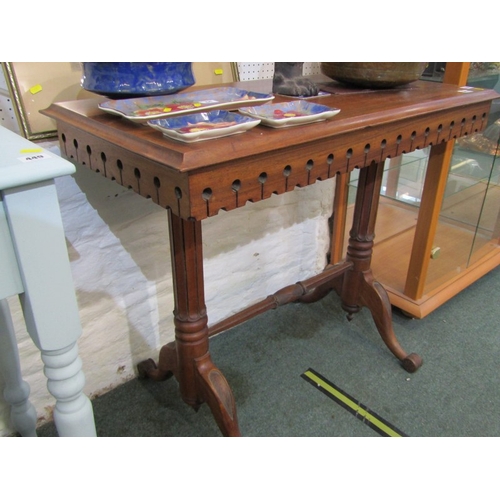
[{"x": 196, "y": 181}]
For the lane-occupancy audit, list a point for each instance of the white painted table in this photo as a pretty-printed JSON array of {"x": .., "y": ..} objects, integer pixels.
[{"x": 34, "y": 264}]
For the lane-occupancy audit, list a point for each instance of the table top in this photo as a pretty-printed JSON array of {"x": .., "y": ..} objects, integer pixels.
[
  {"x": 198, "y": 179},
  {"x": 23, "y": 162},
  {"x": 359, "y": 109}
]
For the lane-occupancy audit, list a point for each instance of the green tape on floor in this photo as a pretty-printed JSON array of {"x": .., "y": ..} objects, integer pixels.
[{"x": 360, "y": 411}]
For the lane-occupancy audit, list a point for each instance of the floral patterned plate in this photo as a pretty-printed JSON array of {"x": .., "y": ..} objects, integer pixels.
[
  {"x": 287, "y": 114},
  {"x": 204, "y": 126},
  {"x": 148, "y": 108}
]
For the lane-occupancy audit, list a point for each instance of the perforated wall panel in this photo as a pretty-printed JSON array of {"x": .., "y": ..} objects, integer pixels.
[{"x": 265, "y": 70}]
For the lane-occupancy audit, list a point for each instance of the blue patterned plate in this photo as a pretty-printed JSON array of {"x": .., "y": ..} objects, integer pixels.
[
  {"x": 204, "y": 126},
  {"x": 287, "y": 114},
  {"x": 148, "y": 108}
]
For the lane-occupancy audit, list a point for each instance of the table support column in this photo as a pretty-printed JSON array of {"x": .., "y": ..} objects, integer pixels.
[
  {"x": 188, "y": 358},
  {"x": 359, "y": 287}
]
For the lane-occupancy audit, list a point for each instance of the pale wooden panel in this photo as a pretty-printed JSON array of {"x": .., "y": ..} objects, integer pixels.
[{"x": 209, "y": 73}]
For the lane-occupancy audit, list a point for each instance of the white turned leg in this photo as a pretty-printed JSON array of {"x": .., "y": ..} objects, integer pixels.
[
  {"x": 48, "y": 300},
  {"x": 23, "y": 415},
  {"x": 73, "y": 413}
]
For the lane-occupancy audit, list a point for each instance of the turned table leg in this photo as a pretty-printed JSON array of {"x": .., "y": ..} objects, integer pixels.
[
  {"x": 73, "y": 414},
  {"x": 16, "y": 392},
  {"x": 188, "y": 358},
  {"x": 359, "y": 287}
]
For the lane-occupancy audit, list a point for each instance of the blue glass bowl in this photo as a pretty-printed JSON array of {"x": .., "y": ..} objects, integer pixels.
[{"x": 136, "y": 79}]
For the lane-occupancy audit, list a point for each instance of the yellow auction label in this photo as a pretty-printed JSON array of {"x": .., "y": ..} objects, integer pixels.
[
  {"x": 360, "y": 411},
  {"x": 35, "y": 89}
]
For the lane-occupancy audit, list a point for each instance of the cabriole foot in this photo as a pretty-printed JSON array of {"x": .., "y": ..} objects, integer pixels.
[{"x": 412, "y": 362}]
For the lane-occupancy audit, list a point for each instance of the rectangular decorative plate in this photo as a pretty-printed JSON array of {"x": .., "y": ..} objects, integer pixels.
[
  {"x": 204, "y": 126},
  {"x": 148, "y": 108},
  {"x": 288, "y": 114}
]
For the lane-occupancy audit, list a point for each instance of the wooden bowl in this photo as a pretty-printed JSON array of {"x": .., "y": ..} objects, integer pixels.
[{"x": 373, "y": 74}]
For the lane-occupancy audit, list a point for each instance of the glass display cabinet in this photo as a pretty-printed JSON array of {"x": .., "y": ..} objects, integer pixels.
[
  {"x": 466, "y": 243},
  {"x": 438, "y": 228}
]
